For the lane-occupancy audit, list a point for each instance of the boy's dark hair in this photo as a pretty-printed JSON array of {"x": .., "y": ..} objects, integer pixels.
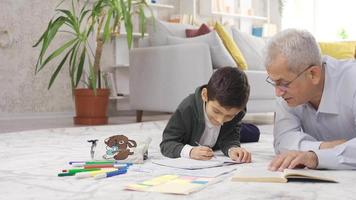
[{"x": 229, "y": 86}]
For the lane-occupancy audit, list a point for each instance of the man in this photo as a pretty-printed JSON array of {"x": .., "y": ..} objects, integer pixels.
[{"x": 315, "y": 123}]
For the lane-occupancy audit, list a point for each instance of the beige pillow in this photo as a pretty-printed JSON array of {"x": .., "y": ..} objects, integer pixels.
[
  {"x": 159, "y": 31},
  {"x": 251, "y": 47},
  {"x": 220, "y": 57}
]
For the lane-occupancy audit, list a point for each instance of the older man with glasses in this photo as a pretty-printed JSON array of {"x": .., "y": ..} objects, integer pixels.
[{"x": 315, "y": 123}]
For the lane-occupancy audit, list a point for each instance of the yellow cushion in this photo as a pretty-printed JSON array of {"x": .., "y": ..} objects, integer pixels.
[
  {"x": 231, "y": 46},
  {"x": 339, "y": 50}
]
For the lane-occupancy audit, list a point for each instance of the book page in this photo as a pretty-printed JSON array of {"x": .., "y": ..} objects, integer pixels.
[
  {"x": 186, "y": 163},
  {"x": 206, "y": 172},
  {"x": 224, "y": 159},
  {"x": 257, "y": 174},
  {"x": 308, "y": 174}
]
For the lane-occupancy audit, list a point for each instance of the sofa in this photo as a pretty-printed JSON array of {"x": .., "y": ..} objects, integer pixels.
[{"x": 166, "y": 67}]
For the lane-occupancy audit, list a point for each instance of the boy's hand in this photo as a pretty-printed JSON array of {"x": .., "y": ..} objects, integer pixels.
[
  {"x": 201, "y": 153},
  {"x": 240, "y": 154}
]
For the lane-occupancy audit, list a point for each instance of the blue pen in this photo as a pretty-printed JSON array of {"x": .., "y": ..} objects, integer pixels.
[
  {"x": 83, "y": 163},
  {"x": 110, "y": 174}
]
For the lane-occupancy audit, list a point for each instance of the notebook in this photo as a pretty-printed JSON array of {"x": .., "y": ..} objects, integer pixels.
[
  {"x": 173, "y": 184},
  {"x": 205, "y": 172},
  {"x": 258, "y": 174},
  {"x": 186, "y": 163}
]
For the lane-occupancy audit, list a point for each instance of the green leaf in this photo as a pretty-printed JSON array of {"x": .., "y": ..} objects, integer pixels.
[
  {"x": 73, "y": 62},
  {"x": 128, "y": 22},
  {"x": 71, "y": 19},
  {"x": 80, "y": 66},
  {"x": 59, "y": 67},
  {"x": 107, "y": 32},
  {"x": 48, "y": 36},
  {"x": 82, "y": 15},
  {"x": 142, "y": 20},
  {"x": 57, "y": 52}
]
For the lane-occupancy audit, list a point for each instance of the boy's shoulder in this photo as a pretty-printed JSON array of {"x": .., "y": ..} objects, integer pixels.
[{"x": 188, "y": 102}]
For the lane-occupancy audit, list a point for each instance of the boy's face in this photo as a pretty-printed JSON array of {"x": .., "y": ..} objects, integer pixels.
[{"x": 216, "y": 113}]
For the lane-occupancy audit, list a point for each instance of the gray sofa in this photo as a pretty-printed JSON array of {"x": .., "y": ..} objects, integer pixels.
[{"x": 162, "y": 75}]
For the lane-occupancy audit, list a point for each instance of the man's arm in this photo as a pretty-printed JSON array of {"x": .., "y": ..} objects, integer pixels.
[
  {"x": 287, "y": 131},
  {"x": 336, "y": 154}
]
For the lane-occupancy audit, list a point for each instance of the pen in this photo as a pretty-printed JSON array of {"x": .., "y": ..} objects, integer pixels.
[
  {"x": 110, "y": 174},
  {"x": 84, "y": 163},
  {"x": 93, "y": 162},
  {"x": 204, "y": 146},
  {"x": 93, "y": 173},
  {"x": 72, "y": 172},
  {"x": 114, "y": 165},
  {"x": 79, "y": 170}
]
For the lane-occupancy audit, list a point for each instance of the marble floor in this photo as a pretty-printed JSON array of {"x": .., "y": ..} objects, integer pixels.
[{"x": 32, "y": 159}]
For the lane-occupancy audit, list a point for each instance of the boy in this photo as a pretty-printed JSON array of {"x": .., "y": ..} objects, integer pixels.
[{"x": 210, "y": 119}]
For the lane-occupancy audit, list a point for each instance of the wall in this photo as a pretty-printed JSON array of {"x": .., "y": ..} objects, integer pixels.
[{"x": 20, "y": 90}]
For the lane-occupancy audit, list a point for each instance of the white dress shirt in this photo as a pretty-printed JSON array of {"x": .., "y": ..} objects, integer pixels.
[
  {"x": 304, "y": 128},
  {"x": 209, "y": 137}
]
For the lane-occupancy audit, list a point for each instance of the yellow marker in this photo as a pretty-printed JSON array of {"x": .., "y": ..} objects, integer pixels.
[{"x": 93, "y": 173}]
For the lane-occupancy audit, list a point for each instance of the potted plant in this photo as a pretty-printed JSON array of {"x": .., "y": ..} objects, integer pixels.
[{"x": 100, "y": 19}]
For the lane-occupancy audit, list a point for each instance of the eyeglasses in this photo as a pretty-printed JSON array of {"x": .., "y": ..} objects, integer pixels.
[{"x": 284, "y": 86}]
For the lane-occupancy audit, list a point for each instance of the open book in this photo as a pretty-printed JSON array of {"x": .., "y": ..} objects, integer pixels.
[
  {"x": 258, "y": 174},
  {"x": 186, "y": 163}
]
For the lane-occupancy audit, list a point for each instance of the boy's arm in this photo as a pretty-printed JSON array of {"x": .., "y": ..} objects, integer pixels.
[
  {"x": 173, "y": 136},
  {"x": 230, "y": 134}
]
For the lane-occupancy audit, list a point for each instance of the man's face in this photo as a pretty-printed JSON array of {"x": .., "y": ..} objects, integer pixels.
[{"x": 298, "y": 86}]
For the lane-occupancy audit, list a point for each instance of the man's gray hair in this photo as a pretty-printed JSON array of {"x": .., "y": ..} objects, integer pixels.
[{"x": 297, "y": 46}]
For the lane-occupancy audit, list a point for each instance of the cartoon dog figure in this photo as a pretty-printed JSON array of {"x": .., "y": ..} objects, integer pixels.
[{"x": 117, "y": 146}]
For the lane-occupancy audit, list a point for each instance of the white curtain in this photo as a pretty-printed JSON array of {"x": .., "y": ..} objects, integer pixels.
[{"x": 328, "y": 20}]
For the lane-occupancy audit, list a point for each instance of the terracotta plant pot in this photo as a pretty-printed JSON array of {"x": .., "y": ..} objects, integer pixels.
[{"x": 91, "y": 109}]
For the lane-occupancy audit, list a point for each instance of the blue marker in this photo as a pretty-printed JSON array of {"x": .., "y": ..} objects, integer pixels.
[
  {"x": 110, "y": 174},
  {"x": 83, "y": 163}
]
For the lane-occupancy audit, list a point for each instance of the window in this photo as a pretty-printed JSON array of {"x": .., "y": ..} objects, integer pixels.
[{"x": 328, "y": 20}]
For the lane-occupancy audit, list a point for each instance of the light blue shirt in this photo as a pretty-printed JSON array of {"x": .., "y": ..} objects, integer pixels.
[{"x": 304, "y": 128}]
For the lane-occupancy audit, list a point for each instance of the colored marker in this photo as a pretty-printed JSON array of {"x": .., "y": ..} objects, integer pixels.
[
  {"x": 79, "y": 170},
  {"x": 110, "y": 174},
  {"x": 82, "y": 164},
  {"x": 72, "y": 172},
  {"x": 93, "y": 162},
  {"x": 66, "y": 174},
  {"x": 93, "y": 173},
  {"x": 105, "y": 166}
]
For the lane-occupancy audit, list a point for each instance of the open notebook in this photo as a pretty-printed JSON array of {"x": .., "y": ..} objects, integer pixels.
[
  {"x": 258, "y": 174},
  {"x": 173, "y": 184},
  {"x": 186, "y": 163}
]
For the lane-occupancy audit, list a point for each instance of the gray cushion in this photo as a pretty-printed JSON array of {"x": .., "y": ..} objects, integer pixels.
[
  {"x": 220, "y": 57},
  {"x": 251, "y": 47},
  {"x": 159, "y": 31}
]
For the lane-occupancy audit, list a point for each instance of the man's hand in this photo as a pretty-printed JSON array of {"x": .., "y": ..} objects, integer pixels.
[
  {"x": 201, "y": 153},
  {"x": 331, "y": 144},
  {"x": 239, "y": 154},
  {"x": 294, "y": 159}
]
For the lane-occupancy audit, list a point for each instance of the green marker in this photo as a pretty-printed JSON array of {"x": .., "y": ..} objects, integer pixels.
[
  {"x": 67, "y": 174},
  {"x": 72, "y": 172}
]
